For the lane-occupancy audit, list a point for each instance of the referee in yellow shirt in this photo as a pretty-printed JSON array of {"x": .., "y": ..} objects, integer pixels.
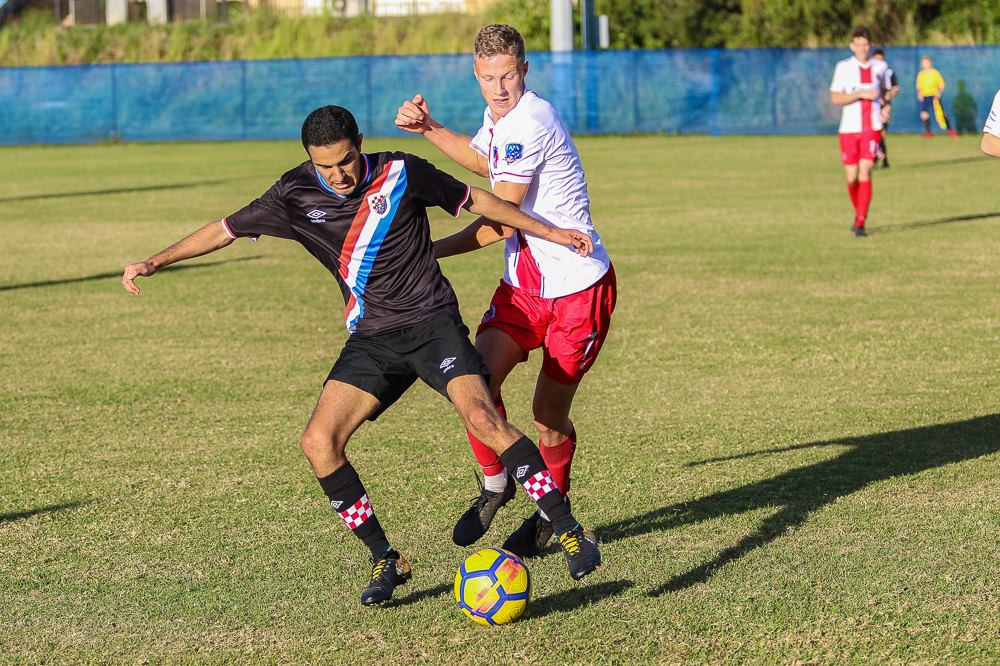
[{"x": 930, "y": 85}]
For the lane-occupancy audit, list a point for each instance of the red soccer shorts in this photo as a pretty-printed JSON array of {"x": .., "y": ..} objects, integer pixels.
[
  {"x": 859, "y": 146},
  {"x": 570, "y": 329}
]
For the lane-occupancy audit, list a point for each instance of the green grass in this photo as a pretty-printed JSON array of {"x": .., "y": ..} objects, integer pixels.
[{"x": 790, "y": 444}]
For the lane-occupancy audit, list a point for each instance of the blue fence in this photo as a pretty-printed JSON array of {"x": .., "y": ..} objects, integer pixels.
[{"x": 711, "y": 91}]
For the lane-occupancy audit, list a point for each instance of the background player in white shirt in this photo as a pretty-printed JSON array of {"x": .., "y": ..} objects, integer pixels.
[
  {"x": 857, "y": 86},
  {"x": 548, "y": 298},
  {"x": 991, "y": 130},
  {"x": 890, "y": 88}
]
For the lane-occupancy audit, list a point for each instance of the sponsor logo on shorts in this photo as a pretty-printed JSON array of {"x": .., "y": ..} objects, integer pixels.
[
  {"x": 521, "y": 471},
  {"x": 492, "y": 312},
  {"x": 316, "y": 216},
  {"x": 448, "y": 364}
]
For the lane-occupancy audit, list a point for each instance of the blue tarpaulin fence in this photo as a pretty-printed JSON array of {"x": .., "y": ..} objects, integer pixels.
[{"x": 708, "y": 91}]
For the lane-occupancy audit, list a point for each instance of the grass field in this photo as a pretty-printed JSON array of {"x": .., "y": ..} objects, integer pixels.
[{"x": 790, "y": 446}]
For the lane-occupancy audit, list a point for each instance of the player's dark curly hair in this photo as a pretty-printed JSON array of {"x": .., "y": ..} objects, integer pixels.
[
  {"x": 327, "y": 125},
  {"x": 861, "y": 31}
]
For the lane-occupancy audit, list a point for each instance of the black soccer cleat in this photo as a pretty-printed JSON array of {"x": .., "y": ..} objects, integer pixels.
[
  {"x": 530, "y": 538},
  {"x": 389, "y": 571},
  {"x": 859, "y": 231},
  {"x": 579, "y": 545},
  {"x": 472, "y": 524}
]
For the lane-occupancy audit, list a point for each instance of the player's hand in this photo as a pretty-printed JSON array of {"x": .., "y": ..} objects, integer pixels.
[
  {"x": 581, "y": 243},
  {"x": 868, "y": 94},
  {"x": 886, "y": 112},
  {"x": 414, "y": 115},
  {"x": 132, "y": 271}
]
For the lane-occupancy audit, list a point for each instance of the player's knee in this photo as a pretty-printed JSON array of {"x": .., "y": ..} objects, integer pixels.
[
  {"x": 483, "y": 420},
  {"x": 316, "y": 446}
]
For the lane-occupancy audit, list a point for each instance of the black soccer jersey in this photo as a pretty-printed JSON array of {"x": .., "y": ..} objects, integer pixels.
[{"x": 376, "y": 241}]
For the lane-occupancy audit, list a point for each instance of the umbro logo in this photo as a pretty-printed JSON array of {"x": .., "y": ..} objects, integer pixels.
[
  {"x": 448, "y": 363},
  {"x": 521, "y": 471},
  {"x": 336, "y": 504},
  {"x": 316, "y": 216}
]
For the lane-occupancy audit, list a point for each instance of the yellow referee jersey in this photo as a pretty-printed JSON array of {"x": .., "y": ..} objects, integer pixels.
[{"x": 930, "y": 82}]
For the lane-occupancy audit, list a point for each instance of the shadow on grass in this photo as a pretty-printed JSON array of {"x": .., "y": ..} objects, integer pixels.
[
  {"x": 126, "y": 190},
  {"x": 21, "y": 515},
  {"x": 576, "y": 597},
  {"x": 118, "y": 274},
  {"x": 420, "y": 595},
  {"x": 940, "y": 163},
  {"x": 799, "y": 492},
  {"x": 890, "y": 228}
]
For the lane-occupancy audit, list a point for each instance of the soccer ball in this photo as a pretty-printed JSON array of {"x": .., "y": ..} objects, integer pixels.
[{"x": 492, "y": 586}]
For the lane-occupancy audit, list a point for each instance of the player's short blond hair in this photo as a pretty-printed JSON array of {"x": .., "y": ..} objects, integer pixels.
[{"x": 498, "y": 39}]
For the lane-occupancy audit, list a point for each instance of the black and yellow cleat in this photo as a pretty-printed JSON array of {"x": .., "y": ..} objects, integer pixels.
[
  {"x": 389, "y": 571},
  {"x": 579, "y": 545},
  {"x": 472, "y": 524}
]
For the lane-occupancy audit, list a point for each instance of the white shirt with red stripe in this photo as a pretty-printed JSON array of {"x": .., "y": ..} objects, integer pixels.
[
  {"x": 992, "y": 125},
  {"x": 851, "y": 76},
  {"x": 530, "y": 145}
]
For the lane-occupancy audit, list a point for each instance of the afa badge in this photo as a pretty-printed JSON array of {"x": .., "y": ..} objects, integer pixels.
[
  {"x": 512, "y": 152},
  {"x": 378, "y": 203}
]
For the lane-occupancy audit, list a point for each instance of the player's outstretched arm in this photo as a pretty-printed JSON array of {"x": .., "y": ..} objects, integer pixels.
[
  {"x": 415, "y": 116},
  {"x": 488, "y": 205},
  {"x": 477, "y": 235},
  {"x": 209, "y": 238}
]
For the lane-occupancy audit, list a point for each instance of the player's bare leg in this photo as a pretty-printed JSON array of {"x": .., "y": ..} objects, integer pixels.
[
  {"x": 557, "y": 438},
  {"x": 340, "y": 411},
  {"x": 501, "y": 354},
  {"x": 519, "y": 454}
]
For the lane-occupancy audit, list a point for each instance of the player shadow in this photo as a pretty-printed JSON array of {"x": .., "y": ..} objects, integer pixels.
[
  {"x": 118, "y": 274},
  {"x": 574, "y": 598},
  {"x": 420, "y": 595},
  {"x": 937, "y": 163},
  {"x": 891, "y": 228},
  {"x": 21, "y": 515},
  {"x": 124, "y": 190},
  {"x": 799, "y": 492}
]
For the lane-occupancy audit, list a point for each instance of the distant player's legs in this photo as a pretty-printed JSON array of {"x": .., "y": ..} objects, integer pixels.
[
  {"x": 340, "y": 411},
  {"x": 864, "y": 195},
  {"x": 858, "y": 155},
  {"x": 926, "y": 106}
]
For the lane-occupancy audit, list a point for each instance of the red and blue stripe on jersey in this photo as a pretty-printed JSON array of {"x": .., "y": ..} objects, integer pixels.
[{"x": 365, "y": 237}]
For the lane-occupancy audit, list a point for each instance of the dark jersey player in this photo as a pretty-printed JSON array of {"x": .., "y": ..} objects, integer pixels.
[{"x": 364, "y": 217}]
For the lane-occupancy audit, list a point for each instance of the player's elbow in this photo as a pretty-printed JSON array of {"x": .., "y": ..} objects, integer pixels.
[{"x": 990, "y": 145}]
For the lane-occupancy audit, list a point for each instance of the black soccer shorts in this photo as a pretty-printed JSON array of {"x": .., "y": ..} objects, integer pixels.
[{"x": 385, "y": 365}]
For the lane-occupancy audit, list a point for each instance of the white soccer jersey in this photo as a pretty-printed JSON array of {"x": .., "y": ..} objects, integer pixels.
[
  {"x": 851, "y": 76},
  {"x": 530, "y": 145},
  {"x": 992, "y": 125}
]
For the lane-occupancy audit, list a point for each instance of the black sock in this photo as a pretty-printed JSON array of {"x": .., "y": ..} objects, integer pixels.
[
  {"x": 348, "y": 498},
  {"x": 927, "y": 125},
  {"x": 524, "y": 461}
]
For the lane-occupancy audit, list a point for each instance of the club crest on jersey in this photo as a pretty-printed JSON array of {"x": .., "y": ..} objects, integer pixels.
[
  {"x": 512, "y": 152},
  {"x": 496, "y": 157},
  {"x": 378, "y": 203}
]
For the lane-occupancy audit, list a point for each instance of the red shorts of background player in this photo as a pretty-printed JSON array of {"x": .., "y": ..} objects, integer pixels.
[
  {"x": 569, "y": 329},
  {"x": 859, "y": 146}
]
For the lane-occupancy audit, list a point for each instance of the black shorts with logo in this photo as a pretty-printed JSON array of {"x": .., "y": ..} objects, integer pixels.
[{"x": 385, "y": 365}]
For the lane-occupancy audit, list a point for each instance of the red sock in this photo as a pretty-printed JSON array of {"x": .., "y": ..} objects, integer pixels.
[
  {"x": 864, "y": 199},
  {"x": 485, "y": 456},
  {"x": 559, "y": 459},
  {"x": 852, "y": 189}
]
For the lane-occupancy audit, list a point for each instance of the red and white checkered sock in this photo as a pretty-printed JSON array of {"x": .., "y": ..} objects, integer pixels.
[
  {"x": 525, "y": 463},
  {"x": 348, "y": 498}
]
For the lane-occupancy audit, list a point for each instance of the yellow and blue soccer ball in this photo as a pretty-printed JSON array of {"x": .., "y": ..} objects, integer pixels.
[{"x": 492, "y": 586}]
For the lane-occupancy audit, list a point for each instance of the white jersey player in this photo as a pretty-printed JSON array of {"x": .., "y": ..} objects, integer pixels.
[
  {"x": 857, "y": 86},
  {"x": 549, "y": 298},
  {"x": 991, "y": 130}
]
